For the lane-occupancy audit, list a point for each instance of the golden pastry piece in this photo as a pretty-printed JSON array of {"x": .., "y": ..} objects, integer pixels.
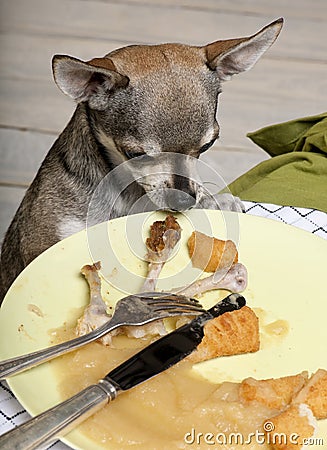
[
  {"x": 314, "y": 394},
  {"x": 289, "y": 429},
  {"x": 275, "y": 393},
  {"x": 209, "y": 253},
  {"x": 229, "y": 334}
]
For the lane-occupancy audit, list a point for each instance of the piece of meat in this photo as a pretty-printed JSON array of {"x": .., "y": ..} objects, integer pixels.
[
  {"x": 159, "y": 242},
  {"x": 314, "y": 394},
  {"x": 95, "y": 314},
  {"x": 235, "y": 280},
  {"x": 211, "y": 254},
  {"x": 275, "y": 393},
  {"x": 232, "y": 333},
  {"x": 164, "y": 235}
]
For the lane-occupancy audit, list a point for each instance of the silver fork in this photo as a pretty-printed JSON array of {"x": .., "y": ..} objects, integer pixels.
[{"x": 132, "y": 310}]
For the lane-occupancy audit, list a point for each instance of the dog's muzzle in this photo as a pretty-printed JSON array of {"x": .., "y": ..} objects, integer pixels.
[
  {"x": 179, "y": 200},
  {"x": 182, "y": 194}
]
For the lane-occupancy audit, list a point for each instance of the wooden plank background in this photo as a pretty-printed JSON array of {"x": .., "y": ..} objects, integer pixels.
[{"x": 290, "y": 80}]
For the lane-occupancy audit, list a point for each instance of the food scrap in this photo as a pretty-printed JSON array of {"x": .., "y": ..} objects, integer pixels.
[
  {"x": 160, "y": 236},
  {"x": 274, "y": 393},
  {"x": 95, "y": 314},
  {"x": 314, "y": 394},
  {"x": 235, "y": 280},
  {"x": 232, "y": 333},
  {"x": 298, "y": 402},
  {"x": 294, "y": 425},
  {"x": 164, "y": 235},
  {"x": 209, "y": 253},
  {"x": 35, "y": 310}
]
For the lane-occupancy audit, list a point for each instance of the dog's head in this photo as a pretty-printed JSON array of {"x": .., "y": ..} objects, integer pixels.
[{"x": 160, "y": 100}]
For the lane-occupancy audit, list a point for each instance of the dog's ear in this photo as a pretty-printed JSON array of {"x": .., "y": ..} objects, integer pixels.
[
  {"x": 90, "y": 81},
  {"x": 233, "y": 56}
]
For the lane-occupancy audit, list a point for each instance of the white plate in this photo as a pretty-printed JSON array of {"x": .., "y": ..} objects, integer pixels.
[{"x": 287, "y": 274}]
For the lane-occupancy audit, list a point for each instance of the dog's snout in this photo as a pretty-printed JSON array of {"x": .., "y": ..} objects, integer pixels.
[
  {"x": 182, "y": 196},
  {"x": 179, "y": 200}
]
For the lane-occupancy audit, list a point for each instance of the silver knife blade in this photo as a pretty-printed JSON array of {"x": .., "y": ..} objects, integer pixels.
[{"x": 45, "y": 428}]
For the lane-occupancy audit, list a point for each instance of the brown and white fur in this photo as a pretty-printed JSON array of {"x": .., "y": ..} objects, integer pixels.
[{"x": 153, "y": 100}]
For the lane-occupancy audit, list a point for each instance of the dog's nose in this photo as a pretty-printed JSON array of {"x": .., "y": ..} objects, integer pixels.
[{"x": 179, "y": 200}]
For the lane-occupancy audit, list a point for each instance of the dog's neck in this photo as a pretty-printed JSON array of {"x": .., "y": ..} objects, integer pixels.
[
  {"x": 84, "y": 157},
  {"x": 89, "y": 163}
]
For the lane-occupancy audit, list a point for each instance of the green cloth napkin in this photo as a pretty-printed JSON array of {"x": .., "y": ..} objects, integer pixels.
[{"x": 296, "y": 175}]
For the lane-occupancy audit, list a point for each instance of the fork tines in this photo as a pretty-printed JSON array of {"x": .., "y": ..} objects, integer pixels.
[{"x": 170, "y": 301}]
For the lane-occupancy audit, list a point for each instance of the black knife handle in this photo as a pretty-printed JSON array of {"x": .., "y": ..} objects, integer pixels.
[{"x": 45, "y": 428}]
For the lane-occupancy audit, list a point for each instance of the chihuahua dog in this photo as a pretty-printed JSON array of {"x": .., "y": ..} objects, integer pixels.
[{"x": 147, "y": 109}]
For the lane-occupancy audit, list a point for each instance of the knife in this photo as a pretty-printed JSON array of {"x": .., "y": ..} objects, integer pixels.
[{"x": 45, "y": 428}]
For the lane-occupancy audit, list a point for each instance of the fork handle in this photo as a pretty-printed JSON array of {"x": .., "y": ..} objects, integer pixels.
[
  {"x": 44, "y": 429},
  {"x": 18, "y": 364}
]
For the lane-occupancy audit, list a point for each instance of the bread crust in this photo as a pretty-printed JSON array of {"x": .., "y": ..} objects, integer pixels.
[
  {"x": 314, "y": 394},
  {"x": 209, "y": 253},
  {"x": 275, "y": 393},
  {"x": 289, "y": 429},
  {"x": 232, "y": 333}
]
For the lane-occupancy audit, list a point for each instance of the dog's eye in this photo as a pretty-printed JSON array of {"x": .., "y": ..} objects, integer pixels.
[
  {"x": 131, "y": 155},
  {"x": 205, "y": 147},
  {"x": 145, "y": 157}
]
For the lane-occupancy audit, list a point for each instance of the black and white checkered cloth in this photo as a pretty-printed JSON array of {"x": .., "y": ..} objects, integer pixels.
[
  {"x": 311, "y": 220},
  {"x": 12, "y": 414},
  {"x": 307, "y": 219}
]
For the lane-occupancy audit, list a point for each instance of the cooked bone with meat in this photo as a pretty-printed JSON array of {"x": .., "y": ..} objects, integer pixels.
[
  {"x": 164, "y": 235},
  {"x": 153, "y": 272},
  {"x": 95, "y": 314},
  {"x": 161, "y": 241},
  {"x": 235, "y": 280}
]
